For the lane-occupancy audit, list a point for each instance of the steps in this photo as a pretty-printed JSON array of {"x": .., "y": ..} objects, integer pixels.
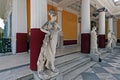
[
  {"x": 70, "y": 65},
  {"x": 67, "y": 65}
]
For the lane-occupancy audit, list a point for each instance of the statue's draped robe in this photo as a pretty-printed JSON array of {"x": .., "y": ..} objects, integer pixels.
[
  {"x": 94, "y": 46},
  {"x": 48, "y": 49},
  {"x": 109, "y": 45}
]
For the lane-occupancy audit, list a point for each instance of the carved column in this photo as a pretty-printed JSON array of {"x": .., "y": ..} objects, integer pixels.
[
  {"x": 85, "y": 26},
  {"x": 101, "y": 30},
  {"x": 110, "y": 24},
  {"x": 79, "y": 31},
  {"x": 19, "y": 26},
  {"x": 38, "y": 19},
  {"x": 60, "y": 39},
  {"x": 115, "y": 27}
]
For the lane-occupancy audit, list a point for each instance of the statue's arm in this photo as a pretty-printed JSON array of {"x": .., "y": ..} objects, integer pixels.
[
  {"x": 58, "y": 27},
  {"x": 44, "y": 28}
]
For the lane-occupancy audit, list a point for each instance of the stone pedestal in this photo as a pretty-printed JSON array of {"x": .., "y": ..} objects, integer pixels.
[
  {"x": 47, "y": 72},
  {"x": 95, "y": 57}
]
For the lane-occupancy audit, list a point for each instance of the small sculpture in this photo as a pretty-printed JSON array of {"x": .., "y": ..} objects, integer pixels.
[
  {"x": 45, "y": 63},
  {"x": 109, "y": 46},
  {"x": 109, "y": 39},
  {"x": 94, "y": 53},
  {"x": 114, "y": 40},
  {"x": 94, "y": 46}
]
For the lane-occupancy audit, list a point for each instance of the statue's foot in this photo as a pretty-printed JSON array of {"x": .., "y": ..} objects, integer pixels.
[
  {"x": 55, "y": 71},
  {"x": 43, "y": 76}
]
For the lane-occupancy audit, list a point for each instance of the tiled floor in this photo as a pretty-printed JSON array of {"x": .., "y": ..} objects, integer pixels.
[{"x": 108, "y": 69}]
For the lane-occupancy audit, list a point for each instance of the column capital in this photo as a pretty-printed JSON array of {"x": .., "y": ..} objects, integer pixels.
[
  {"x": 59, "y": 9},
  {"x": 109, "y": 17},
  {"x": 102, "y": 10}
]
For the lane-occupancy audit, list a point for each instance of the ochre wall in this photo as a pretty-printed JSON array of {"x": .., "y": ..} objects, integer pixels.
[
  {"x": 69, "y": 22},
  {"x": 118, "y": 29},
  {"x": 69, "y": 25},
  {"x": 28, "y": 16}
]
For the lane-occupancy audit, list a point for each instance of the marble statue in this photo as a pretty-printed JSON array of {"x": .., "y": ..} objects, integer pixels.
[
  {"x": 114, "y": 41},
  {"x": 45, "y": 63},
  {"x": 94, "y": 53},
  {"x": 109, "y": 46},
  {"x": 94, "y": 46}
]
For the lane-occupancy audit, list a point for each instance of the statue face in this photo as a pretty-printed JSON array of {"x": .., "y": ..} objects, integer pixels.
[
  {"x": 94, "y": 28},
  {"x": 53, "y": 17}
]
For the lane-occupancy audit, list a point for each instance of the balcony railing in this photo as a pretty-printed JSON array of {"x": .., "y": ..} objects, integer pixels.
[{"x": 5, "y": 45}]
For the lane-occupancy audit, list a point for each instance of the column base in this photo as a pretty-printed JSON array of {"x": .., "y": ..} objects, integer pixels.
[
  {"x": 21, "y": 42},
  {"x": 101, "y": 41},
  {"x": 85, "y": 43},
  {"x": 36, "y": 40}
]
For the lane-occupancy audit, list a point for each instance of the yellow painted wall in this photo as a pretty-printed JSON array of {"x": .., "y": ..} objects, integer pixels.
[
  {"x": 28, "y": 16},
  {"x": 69, "y": 22},
  {"x": 69, "y": 25},
  {"x": 118, "y": 29}
]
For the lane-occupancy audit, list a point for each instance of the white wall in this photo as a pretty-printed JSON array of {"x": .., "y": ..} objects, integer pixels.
[
  {"x": 21, "y": 16},
  {"x": 19, "y": 20},
  {"x": 38, "y": 13}
]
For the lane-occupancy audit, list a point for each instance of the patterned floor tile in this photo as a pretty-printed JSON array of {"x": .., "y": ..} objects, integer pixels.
[
  {"x": 109, "y": 60},
  {"x": 89, "y": 76},
  {"x": 105, "y": 64},
  {"x": 99, "y": 70},
  {"x": 97, "y": 65},
  {"x": 117, "y": 76},
  {"x": 112, "y": 70},
  {"x": 108, "y": 69},
  {"x": 105, "y": 76},
  {"x": 79, "y": 78},
  {"x": 89, "y": 70},
  {"x": 117, "y": 65}
]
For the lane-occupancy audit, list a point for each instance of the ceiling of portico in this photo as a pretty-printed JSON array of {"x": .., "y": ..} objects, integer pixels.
[
  {"x": 72, "y": 5},
  {"x": 75, "y": 5}
]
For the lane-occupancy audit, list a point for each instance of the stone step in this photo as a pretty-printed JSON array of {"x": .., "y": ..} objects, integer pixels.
[
  {"x": 65, "y": 64},
  {"x": 14, "y": 61},
  {"x": 75, "y": 74},
  {"x": 16, "y": 73},
  {"x": 69, "y": 68}
]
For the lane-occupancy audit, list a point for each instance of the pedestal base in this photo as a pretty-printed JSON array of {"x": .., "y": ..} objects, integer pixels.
[
  {"x": 109, "y": 49},
  {"x": 95, "y": 57},
  {"x": 46, "y": 75}
]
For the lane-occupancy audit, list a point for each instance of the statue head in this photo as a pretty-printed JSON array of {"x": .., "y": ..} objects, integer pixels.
[
  {"x": 53, "y": 15},
  {"x": 94, "y": 28}
]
